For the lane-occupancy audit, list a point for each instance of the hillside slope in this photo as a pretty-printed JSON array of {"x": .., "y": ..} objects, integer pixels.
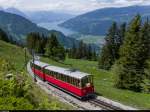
[
  {"x": 24, "y": 95},
  {"x": 97, "y": 22}
]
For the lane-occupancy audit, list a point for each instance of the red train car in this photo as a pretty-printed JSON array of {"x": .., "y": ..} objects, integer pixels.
[{"x": 77, "y": 83}]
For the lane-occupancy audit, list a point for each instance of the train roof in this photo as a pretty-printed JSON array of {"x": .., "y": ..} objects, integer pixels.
[{"x": 76, "y": 74}]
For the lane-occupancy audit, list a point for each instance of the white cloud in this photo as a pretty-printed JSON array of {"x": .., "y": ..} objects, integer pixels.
[{"x": 75, "y": 6}]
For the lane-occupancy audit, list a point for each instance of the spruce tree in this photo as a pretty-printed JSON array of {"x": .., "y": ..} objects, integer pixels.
[
  {"x": 133, "y": 55},
  {"x": 89, "y": 52},
  {"x": 110, "y": 50},
  {"x": 80, "y": 52},
  {"x": 31, "y": 42},
  {"x": 73, "y": 51},
  {"x": 94, "y": 55},
  {"x": 121, "y": 33}
]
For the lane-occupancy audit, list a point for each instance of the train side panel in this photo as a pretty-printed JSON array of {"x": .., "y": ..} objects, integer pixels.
[{"x": 66, "y": 86}]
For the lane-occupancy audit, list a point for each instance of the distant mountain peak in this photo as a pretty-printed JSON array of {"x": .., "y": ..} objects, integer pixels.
[{"x": 15, "y": 11}]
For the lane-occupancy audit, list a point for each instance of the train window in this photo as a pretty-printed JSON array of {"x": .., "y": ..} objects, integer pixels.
[
  {"x": 62, "y": 77},
  {"x": 55, "y": 75},
  {"x": 48, "y": 72},
  {"x": 74, "y": 82},
  {"x": 67, "y": 79},
  {"x": 70, "y": 79},
  {"x": 84, "y": 81},
  {"x": 58, "y": 75},
  {"x": 89, "y": 78},
  {"x": 51, "y": 73},
  {"x": 79, "y": 84}
]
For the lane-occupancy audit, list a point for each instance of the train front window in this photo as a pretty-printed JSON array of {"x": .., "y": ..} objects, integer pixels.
[{"x": 86, "y": 80}]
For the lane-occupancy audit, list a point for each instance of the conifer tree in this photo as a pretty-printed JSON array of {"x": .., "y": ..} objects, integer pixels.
[
  {"x": 133, "y": 55},
  {"x": 73, "y": 51},
  {"x": 89, "y": 52},
  {"x": 110, "y": 51},
  {"x": 94, "y": 55},
  {"x": 121, "y": 33}
]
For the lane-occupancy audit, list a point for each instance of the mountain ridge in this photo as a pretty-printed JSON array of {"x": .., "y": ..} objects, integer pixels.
[{"x": 97, "y": 22}]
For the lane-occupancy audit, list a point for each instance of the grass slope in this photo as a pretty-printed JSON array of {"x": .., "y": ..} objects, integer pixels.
[
  {"x": 16, "y": 56},
  {"x": 104, "y": 81}
]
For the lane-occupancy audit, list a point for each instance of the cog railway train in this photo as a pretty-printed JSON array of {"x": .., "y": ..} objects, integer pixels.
[{"x": 74, "y": 82}]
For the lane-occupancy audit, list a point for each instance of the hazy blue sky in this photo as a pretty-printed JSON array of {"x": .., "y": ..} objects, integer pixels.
[{"x": 73, "y": 6}]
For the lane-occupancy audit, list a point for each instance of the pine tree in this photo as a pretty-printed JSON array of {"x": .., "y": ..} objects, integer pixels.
[
  {"x": 84, "y": 51},
  {"x": 121, "y": 33},
  {"x": 133, "y": 55},
  {"x": 120, "y": 38},
  {"x": 110, "y": 50},
  {"x": 94, "y": 55},
  {"x": 49, "y": 47},
  {"x": 89, "y": 52},
  {"x": 73, "y": 51},
  {"x": 43, "y": 44},
  {"x": 31, "y": 41},
  {"x": 80, "y": 52}
]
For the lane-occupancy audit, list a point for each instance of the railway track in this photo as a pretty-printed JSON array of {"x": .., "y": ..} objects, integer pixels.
[{"x": 103, "y": 105}]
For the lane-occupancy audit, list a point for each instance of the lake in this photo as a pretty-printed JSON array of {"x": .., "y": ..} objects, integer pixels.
[{"x": 54, "y": 26}]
